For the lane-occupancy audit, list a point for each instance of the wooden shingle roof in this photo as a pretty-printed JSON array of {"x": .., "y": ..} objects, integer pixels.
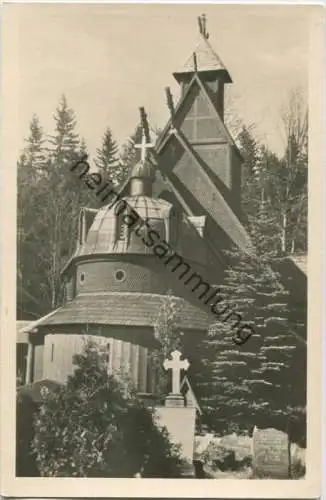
[
  {"x": 126, "y": 309},
  {"x": 206, "y": 58}
]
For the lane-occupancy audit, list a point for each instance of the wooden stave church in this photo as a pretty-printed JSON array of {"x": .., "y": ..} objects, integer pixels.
[{"x": 196, "y": 187}]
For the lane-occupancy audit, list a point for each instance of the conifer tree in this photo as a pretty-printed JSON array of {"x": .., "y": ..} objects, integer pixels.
[
  {"x": 130, "y": 155},
  {"x": 30, "y": 169},
  {"x": 255, "y": 383},
  {"x": 59, "y": 202},
  {"x": 107, "y": 160},
  {"x": 249, "y": 149},
  {"x": 65, "y": 142}
]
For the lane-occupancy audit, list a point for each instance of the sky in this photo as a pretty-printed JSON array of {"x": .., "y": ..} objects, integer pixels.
[{"x": 110, "y": 59}]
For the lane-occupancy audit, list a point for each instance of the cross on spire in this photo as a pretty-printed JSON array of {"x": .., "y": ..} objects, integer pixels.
[
  {"x": 144, "y": 146},
  {"x": 176, "y": 365},
  {"x": 145, "y": 141}
]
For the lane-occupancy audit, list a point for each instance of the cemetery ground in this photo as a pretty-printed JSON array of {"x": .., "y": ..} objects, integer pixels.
[{"x": 231, "y": 457}]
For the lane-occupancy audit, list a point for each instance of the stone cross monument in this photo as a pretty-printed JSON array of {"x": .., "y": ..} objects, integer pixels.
[{"x": 175, "y": 364}]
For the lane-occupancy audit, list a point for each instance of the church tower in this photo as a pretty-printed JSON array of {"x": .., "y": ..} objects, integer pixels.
[
  {"x": 204, "y": 60},
  {"x": 196, "y": 154}
]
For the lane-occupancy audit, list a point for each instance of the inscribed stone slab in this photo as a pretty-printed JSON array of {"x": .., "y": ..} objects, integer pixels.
[{"x": 271, "y": 454}]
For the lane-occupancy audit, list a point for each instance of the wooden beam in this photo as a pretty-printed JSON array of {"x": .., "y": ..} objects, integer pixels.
[{"x": 29, "y": 363}]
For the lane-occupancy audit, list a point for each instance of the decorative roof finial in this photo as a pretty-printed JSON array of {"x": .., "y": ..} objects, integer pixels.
[
  {"x": 202, "y": 26},
  {"x": 144, "y": 123}
]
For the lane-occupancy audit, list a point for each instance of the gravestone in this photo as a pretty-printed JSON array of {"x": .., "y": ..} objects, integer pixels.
[{"x": 271, "y": 454}]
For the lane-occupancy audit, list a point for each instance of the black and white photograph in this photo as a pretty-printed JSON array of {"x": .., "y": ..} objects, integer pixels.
[{"x": 157, "y": 318}]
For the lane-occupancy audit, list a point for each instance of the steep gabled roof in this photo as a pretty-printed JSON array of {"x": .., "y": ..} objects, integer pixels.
[
  {"x": 165, "y": 136},
  {"x": 206, "y": 58},
  {"x": 228, "y": 220}
]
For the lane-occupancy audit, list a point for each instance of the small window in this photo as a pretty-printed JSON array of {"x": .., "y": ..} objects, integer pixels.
[
  {"x": 52, "y": 351},
  {"x": 82, "y": 278},
  {"x": 120, "y": 275}
]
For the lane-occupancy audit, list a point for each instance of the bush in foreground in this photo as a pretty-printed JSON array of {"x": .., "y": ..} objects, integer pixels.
[
  {"x": 94, "y": 426},
  {"x": 25, "y": 461}
]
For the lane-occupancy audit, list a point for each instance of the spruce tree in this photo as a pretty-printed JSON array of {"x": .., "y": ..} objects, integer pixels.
[
  {"x": 59, "y": 202},
  {"x": 64, "y": 144},
  {"x": 254, "y": 383},
  {"x": 30, "y": 170},
  {"x": 107, "y": 160},
  {"x": 249, "y": 149},
  {"x": 130, "y": 155}
]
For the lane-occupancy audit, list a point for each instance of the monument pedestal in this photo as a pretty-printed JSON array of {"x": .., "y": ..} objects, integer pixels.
[
  {"x": 180, "y": 423},
  {"x": 175, "y": 401}
]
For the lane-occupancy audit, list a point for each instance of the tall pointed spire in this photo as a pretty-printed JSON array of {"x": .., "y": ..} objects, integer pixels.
[
  {"x": 207, "y": 59},
  {"x": 204, "y": 62}
]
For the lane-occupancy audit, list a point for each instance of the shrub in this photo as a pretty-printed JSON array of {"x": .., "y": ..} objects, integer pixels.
[
  {"x": 219, "y": 457},
  {"x": 25, "y": 411},
  {"x": 95, "y": 426}
]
